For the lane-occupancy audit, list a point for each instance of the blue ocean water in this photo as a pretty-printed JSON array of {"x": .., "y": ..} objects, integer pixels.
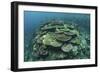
[{"x": 33, "y": 19}]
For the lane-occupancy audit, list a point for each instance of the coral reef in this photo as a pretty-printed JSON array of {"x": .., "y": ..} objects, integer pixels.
[{"x": 57, "y": 40}]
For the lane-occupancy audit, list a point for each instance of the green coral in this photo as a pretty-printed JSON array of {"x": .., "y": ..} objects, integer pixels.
[
  {"x": 75, "y": 41},
  {"x": 57, "y": 40},
  {"x": 50, "y": 40},
  {"x": 67, "y": 47},
  {"x": 62, "y": 37}
]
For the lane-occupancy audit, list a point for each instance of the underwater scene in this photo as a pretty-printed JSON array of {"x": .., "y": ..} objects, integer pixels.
[{"x": 56, "y": 36}]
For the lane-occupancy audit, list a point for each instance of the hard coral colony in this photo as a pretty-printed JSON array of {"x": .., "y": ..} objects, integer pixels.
[{"x": 57, "y": 40}]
